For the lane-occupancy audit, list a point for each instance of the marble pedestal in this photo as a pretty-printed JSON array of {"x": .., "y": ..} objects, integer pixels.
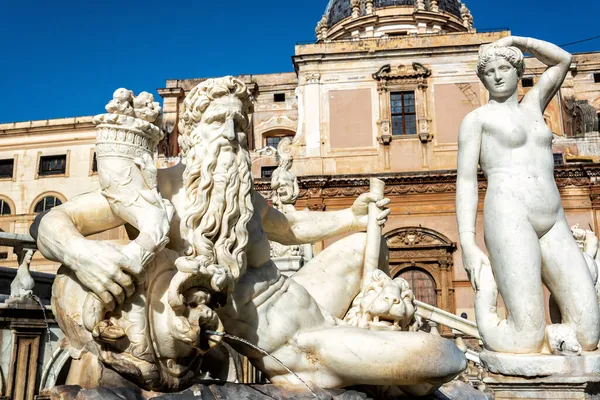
[
  {"x": 538, "y": 365},
  {"x": 542, "y": 376},
  {"x": 549, "y": 387}
]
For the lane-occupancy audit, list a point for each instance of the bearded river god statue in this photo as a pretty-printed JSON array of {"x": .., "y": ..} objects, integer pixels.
[
  {"x": 160, "y": 314},
  {"x": 526, "y": 232}
]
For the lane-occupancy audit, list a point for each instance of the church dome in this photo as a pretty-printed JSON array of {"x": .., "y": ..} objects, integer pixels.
[{"x": 344, "y": 19}]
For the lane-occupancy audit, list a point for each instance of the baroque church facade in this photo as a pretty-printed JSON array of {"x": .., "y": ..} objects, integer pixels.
[{"x": 381, "y": 93}]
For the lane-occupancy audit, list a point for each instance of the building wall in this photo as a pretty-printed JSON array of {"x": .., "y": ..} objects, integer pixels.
[{"x": 26, "y": 142}]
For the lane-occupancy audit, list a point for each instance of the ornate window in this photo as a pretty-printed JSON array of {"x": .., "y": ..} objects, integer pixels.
[
  {"x": 404, "y": 120},
  {"x": 46, "y": 204},
  {"x": 267, "y": 172},
  {"x": 273, "y": 137},
  {"x": 424, "y": 258}
]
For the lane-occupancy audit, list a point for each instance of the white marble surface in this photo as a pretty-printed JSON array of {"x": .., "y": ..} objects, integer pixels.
[
  {"x": 219, "y": 250},
  {"x": 524, "y": 221}
]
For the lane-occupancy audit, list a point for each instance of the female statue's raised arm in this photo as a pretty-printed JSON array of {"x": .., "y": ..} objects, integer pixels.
[
  {"x": 557, "y": 59},
  {"x": 467, "y": 195}
]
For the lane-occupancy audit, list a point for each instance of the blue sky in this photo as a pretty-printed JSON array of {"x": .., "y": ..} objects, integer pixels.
[{"x": 64, "y": 58}]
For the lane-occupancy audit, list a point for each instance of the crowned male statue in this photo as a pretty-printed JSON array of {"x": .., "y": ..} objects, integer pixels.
[{"x": 157, "y": 306}]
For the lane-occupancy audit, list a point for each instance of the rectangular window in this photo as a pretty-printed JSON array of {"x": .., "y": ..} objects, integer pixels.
[
  {"x": 6, "y": 168},
  {"x": 94, "y": 163},
  {"x": 266, "y": 172},
  {"x": 404, "y": 120},
  {"x": 273, "y": 141},
  {"x": 597, "y": 77},
  {"x": 53, "y": 165},
  {"x": 558, "y": 159},
  {"x": 3, "y": 255},
  {"x": 279, "y": 97},
  {"x": 527, "y": 82}
]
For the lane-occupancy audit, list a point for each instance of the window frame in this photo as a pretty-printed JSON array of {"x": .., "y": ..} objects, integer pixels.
[
  {"x": 263, "y": 168},
  {"x": 43, "y": 199},
  {"x": 67, "y": 155},
  {"x": 528, "y": 79},
  {"x": 13, "y": 177},
  {"x": 93, "y": 158},
  {"x": 403, "y": 114}
]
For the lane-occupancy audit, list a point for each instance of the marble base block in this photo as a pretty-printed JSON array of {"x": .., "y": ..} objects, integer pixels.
[
  {"x": 551, "y": 387},
  {"x": 539, "y": 365}
]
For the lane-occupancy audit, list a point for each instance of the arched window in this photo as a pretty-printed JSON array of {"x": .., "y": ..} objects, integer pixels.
[
  {"x": 46, "y": 203},
  {"x": 5, "y": 208},
  {"x": 273, "y": 137},
  {"x": 422, "y": 285}
]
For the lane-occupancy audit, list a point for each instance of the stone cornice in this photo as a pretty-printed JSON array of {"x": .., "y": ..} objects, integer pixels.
[
  {"x": 442, "y": 181},
  {"x": 46, "y": 125}
]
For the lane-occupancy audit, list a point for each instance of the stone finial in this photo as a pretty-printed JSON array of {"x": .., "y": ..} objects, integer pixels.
[
  {"x": 355, "y": 4},
  {"x": 433, "y": 6},
  {"x": 369, "y": 6},
  {"x": 466, "y": 16},
  {"x": 420, "y": 5},
  {"x": 321, "y": 29}
]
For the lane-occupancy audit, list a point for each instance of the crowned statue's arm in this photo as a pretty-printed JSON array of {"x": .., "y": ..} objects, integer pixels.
[{"x": 524, "y": 222}]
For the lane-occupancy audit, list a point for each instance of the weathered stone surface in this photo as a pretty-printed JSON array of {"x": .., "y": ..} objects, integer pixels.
[
  {"x": 534, "y": 365},
  {"x": 553, "y": 387},
  {"x": 211, "y": 391}
]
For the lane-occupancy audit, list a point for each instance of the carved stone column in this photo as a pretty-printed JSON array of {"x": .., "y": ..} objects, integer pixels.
[{"x": 22, "y": 376}]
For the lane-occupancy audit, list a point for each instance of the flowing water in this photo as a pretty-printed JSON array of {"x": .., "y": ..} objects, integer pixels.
[
  {"x": 39, "y": 301},
  {"x": 262, "y": 351}
]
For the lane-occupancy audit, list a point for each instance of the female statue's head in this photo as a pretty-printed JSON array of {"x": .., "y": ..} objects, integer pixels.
[{"x": 500, "y": 69}]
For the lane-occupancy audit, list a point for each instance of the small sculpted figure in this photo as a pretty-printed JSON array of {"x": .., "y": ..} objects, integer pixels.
[
  {"x": 217, "y": 274},
  {"x": 285, "y": 192},
  {"x": 526, "y": 233}
]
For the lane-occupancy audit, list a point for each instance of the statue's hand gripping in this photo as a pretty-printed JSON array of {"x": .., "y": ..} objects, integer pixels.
[
  {"x": 360, "y": 210},
  {"x": 104, "y": 269}
]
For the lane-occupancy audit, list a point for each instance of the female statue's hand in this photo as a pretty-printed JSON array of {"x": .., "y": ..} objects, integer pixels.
[{"x": 473, "y": 260}]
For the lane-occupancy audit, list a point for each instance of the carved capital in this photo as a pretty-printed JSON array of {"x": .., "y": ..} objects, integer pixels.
[{"x": 313, "y": 78}]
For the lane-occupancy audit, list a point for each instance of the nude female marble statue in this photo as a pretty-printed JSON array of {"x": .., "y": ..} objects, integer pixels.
[
  {"x": 526, "y": 233},
  {"x": 216, "y": 273}
]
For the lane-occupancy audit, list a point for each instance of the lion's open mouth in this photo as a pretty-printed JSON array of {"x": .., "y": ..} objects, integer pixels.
[{"x": 387, "y": 323}]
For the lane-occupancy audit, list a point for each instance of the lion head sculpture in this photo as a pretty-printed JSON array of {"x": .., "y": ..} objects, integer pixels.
[{"x": 384, "y": 304}]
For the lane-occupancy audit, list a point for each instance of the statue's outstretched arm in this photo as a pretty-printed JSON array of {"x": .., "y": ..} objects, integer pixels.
[
  {"x": 557, "y": 59},
  {"x": 467, "y": 195},
  {"x": 312, "y": 226}
]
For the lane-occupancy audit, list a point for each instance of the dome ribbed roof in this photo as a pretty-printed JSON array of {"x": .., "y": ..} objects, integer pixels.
[{"x": 338, "y": 10}]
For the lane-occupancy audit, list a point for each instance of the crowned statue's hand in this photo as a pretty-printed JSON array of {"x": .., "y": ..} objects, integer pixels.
[
  {"x": 103, "y": 268},
  {"x": 360, "y": 209},
  {"x": 473, "y": 260}
]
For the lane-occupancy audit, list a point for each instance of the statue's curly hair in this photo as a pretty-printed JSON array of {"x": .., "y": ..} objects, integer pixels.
[
  {"x": 511, "y": 54},
  {"x": 198, "y": 100}
]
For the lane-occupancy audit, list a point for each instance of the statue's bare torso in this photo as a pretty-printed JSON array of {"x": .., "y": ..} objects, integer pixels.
[{"x": 516, "y": 158}]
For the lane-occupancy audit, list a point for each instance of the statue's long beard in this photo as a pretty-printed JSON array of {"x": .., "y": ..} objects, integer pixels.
[{"x": 217, "y": 211}]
